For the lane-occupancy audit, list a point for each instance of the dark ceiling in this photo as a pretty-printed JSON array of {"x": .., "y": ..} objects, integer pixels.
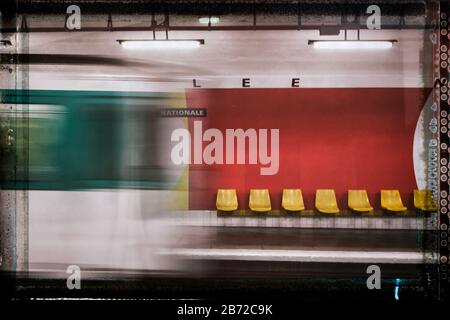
[{"x": 183, "y": 7}]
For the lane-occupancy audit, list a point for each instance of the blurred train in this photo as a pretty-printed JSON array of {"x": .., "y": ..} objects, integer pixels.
[
  {"x": 94, "y": 165},
  {"x": 86, "y": 139}
]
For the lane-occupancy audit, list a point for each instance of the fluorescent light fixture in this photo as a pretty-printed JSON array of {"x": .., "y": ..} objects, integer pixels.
[
  {"x": 352, "y": 44},
  {"x": 206, "y": 20},
  {"x": 161, "y": 44}
]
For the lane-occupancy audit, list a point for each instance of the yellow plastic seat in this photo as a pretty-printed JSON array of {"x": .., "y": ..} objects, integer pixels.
[
  {"x": 359, "y": 201},
  {"x": 392, "y": 201},
  {"x": 226, "y": 200},
  {"x": 292, "y": 200},
  {"x": 423, "y": 200},
  {"x": 326, "y": 201},
  {"x": 259, "y": 200}
]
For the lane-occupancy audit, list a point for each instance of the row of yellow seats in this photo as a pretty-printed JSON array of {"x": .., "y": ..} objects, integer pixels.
[{"x": 326, "y": 202}]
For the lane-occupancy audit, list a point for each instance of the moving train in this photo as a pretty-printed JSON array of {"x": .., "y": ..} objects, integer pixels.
[{"x": 83, "y": 139}]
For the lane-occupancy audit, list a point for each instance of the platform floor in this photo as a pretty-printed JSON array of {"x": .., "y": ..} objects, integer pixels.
[
  {"x": 275, "y": 271},
  {"x": 227, "y": 249}
]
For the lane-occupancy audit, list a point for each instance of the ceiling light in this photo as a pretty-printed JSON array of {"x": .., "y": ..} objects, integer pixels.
[
  {"x": 161, "y": 44},
  {"x": 352, "y": 44},
  {"x": 207, "y": 20}
]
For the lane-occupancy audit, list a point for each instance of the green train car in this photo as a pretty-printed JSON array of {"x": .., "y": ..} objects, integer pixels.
[{"x": 66, "y": 140}]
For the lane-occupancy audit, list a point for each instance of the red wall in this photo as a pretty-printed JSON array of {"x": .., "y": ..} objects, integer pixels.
[{"x": 329, "y": 138}]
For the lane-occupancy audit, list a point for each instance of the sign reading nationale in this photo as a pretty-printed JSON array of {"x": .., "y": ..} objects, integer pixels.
[{"x": 183, "y": 112}]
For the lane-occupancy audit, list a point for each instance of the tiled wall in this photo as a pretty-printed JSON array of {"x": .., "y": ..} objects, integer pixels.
[{"x": 210, "y": 218}]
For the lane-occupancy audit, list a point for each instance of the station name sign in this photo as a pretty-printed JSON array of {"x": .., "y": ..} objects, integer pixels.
[{"x": 182, "y": 112}]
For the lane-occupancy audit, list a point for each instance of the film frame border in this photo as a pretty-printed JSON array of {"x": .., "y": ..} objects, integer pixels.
[{"x": 441, "y": 71}]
